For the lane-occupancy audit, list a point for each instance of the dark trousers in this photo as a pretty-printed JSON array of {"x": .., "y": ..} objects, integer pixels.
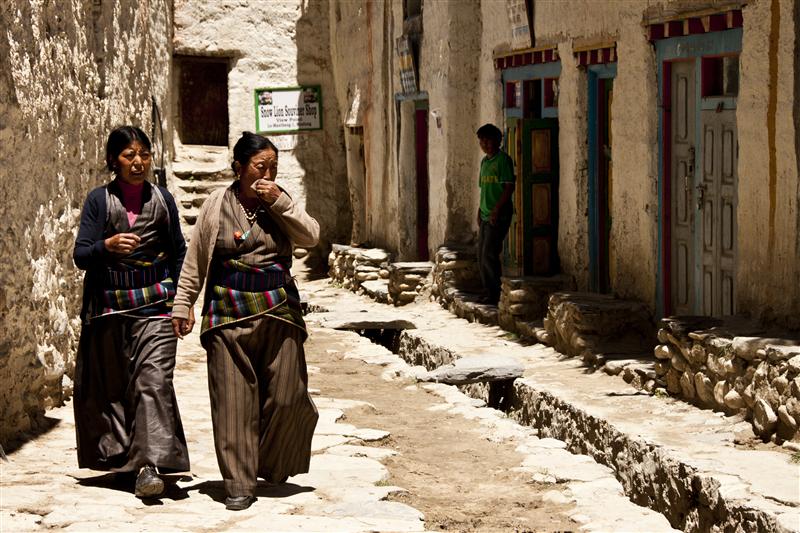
[{"x": 490, "y": 246}]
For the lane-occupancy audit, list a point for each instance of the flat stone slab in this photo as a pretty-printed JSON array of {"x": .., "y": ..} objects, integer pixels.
[
  {"x": 422, "y": 267},
  {"x": 476, "y": 369},
  {"x": 357, "y": 320}
]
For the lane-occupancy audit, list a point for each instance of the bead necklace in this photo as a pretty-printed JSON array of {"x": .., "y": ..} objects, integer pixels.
[{"x": 250, "y": 214}]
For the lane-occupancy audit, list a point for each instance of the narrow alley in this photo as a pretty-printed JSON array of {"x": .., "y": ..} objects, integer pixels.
[
  {"x": 546, "y": 252},
  {"x": 389, "y": 455}
]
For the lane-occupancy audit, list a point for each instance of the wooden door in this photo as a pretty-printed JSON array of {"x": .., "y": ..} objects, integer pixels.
[
  {"x": 421, "y": 136},
  {"x": 604, "y": 177},
  {"x": 682, "y": 165},
  {"x": 716, "y": 204},
  {"x": 512, "y": 250},
  {"x": 202, "y": 106},
  {"x": 540, "y": 196}
]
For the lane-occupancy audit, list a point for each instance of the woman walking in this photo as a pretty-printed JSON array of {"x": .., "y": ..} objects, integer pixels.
[
  {"x": 252, "y": 328},
  {"x": 131, "y": 247}
]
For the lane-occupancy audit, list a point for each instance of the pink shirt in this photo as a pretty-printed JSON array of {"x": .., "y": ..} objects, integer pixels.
[{"x": 132, "y": 200}]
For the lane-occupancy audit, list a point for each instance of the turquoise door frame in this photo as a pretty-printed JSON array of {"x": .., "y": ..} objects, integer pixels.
[
  {"x": 693, "y": 47},
  {"x": 524, "y": 73},
  {"x": 594, "y": 74}
]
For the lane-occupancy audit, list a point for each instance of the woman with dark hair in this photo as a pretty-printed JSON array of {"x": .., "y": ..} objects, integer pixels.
[
  {"x": 252, "y": 328},
  {"x": 131, "y": 246}
]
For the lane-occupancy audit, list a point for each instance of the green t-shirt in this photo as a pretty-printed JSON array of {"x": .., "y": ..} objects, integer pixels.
[{"x": 496, "y": 172}]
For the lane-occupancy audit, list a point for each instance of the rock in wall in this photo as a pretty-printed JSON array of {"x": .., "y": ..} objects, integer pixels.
[{"x": 69, "y": 72}]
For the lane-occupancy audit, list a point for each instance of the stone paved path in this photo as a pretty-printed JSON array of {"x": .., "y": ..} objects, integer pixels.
[
  {"x": 42, "y": 488},
  {"x": 467, "y": 467}
]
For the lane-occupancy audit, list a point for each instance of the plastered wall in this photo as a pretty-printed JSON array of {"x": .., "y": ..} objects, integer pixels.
[
  {"x": 768, "y": 274},
  {"x": 69, "y": 72},
  {"x": 280, "y": 43},
  {"x": 634, "y": 233},
  {"x": 456, "y": 72}
]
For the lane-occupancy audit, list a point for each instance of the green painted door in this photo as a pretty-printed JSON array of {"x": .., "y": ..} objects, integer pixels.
[{"x": 539, "y": 196}]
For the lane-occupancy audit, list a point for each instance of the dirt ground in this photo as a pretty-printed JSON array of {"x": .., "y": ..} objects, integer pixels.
[{"x": 460, "y": 480}]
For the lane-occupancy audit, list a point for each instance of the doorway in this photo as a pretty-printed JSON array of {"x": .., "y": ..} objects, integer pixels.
[
  {"x": 531, "y": 82},
  {"x": 601, "y": 91},
  {"x": 202, "y": 100},
  {"x": 422, "y": 181},
  {"x": 699, "y": 167}
]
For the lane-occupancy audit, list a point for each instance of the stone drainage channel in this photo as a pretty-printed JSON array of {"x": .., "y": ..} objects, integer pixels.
[{"x": 650, "y": 476}]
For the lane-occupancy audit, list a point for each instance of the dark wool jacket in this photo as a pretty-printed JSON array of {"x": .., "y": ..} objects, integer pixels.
[{"x": 90, "y": 252}]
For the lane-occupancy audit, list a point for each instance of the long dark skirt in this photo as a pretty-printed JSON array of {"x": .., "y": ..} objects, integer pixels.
[
  {"x": 126, "y": 414},
  {"x": 262, "y": 414}
]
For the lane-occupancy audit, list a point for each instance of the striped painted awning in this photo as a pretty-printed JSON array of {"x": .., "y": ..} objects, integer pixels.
[
  {"x": 694, "y": 24},
  {"x": 596, "y": 54},
  {"x": 528, "y": 56}
]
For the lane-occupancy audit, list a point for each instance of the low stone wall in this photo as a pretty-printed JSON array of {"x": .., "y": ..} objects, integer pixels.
[
  {"x": 457, "y": 285},
  {"x": 368, "y": 271},
  {"x": 733, "y": 366},
  {"x": 351, "y": 266},
  {"x": 406, "y": 281},
  {"x": 455, "y": 271},
  {"x": 524, "y": 300},
  {"x": 598, "y": 327}
]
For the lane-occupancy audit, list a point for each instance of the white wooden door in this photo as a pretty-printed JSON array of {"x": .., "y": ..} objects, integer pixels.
[
  {"x": 683, "y": 127},
  {"x": 716, "y": 205}
]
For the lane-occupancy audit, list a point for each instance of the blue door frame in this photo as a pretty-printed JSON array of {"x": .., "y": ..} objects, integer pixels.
[
  {"x": 514, "y": 256},
  {"x": 667, "y": 50},
  {"x": 594, "y": 74}
]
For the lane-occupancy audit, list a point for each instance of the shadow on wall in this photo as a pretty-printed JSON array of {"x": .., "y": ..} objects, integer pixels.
[{"x": 321, "y": 153}]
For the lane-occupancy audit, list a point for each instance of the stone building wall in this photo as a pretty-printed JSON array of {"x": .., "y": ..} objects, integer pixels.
[
  {"x": 69, "y": 72},
  {"x": 282, "y": 43},
  {"x": 456, "y": 71},
  {"x": 768, "y": 270},
  {"x": 634, "y": 237}
]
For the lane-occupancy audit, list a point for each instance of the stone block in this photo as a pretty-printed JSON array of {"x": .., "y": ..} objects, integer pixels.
[
  {"x": 673, "y": 380},
  {"x": 781, "y": 385},
  {"x": 477, "y": 369},
  {"x": 687, "y": 386},
  {"x": 765, "y": 420},
  {"x": 782, "y": 353},
  {"x": 678, "y": 362},
  {"x": 733, "y": 400},
  {"x": 721, "y": 388},
  {"x": 663, "y": 351},
  {"x": 697, "y": 355},
  {"x": 788, "y": 421},
  {"x": 704, "y": 388}
]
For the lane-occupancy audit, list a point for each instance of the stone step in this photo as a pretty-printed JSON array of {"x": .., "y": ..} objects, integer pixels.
[{"x": 203, "y": 187}]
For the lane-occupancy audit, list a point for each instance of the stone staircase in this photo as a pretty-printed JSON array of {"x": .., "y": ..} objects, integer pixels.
[{"x": 197, "y": 171}]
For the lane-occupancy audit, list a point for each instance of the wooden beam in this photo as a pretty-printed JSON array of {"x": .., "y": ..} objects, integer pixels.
[{"x": 657, "y": 15}]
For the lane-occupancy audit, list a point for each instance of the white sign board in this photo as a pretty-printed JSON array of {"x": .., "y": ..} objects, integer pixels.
[{"x": 288, "y": 109}]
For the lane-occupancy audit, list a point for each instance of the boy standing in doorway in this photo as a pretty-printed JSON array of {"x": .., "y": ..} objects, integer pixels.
[{"x": 494, "y": 214}]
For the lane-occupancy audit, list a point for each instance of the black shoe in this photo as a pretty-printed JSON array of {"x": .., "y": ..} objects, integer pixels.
[
  {"x": 272, "y": 481},
  {"x": 239, "y": 503},
  {"x": 148, "y": 484}
]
